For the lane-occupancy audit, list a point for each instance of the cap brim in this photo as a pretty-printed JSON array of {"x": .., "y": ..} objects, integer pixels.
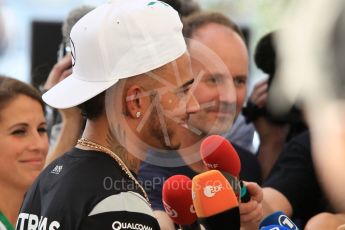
[{"x": 72, "y": 92}]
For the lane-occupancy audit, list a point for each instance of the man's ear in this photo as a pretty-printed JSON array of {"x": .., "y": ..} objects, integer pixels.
[{"x": 134, "y": 101}]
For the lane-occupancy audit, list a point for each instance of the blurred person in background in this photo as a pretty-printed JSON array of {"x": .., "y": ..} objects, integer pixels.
[
  {"x": 24, "y": 145},
  {"x": 293, "y": 185},
  {"x": 4, "y": 33},
  {"x": 184, "y": 7},
  {"x": 24, "y": 138},
  {"x": 273, "y": 130},
  {"x": 326, "y": 119},
  {"x": 240, "y": 132},
  {"x": 311, "y": 75},
  {"x": 60, "y": 71}
]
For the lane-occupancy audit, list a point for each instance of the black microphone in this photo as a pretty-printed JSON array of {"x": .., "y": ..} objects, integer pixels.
[{"x": 193, "y": 226}]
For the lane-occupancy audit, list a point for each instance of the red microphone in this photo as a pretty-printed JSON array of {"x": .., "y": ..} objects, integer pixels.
[
  {"x": 218, "y": 153},
  {"x": 178, "y": 203}
]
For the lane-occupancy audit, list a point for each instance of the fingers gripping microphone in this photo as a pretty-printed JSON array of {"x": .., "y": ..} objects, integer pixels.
[
  {"x": 177, "y": 201},
  {"x": 215, "y": 202},
  {"x": 280, "y": 219},
  {"x": 218, "y": 153}
]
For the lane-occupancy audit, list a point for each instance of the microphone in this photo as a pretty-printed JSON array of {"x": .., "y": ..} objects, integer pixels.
[
  {"x": 177, "y": 201},
  {"x": 218, "y": 153},
  {"x": 215, "y": 202},
  {"x": 274, "y": 227},
  {"x": 280, "y": 219}
]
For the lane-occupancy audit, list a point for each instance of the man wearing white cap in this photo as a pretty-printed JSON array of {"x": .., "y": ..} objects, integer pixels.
[{"x": 131, "y": 79}]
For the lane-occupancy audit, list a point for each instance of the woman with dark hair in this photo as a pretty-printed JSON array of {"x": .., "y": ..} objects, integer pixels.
[{"x": 24, "y": 145}]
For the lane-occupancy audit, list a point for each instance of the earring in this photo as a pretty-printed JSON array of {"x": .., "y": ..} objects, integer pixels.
[{"x": 138, "y": 114}]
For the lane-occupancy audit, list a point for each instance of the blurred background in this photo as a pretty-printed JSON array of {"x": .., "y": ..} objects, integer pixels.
[{"x": 30, "y": 30}]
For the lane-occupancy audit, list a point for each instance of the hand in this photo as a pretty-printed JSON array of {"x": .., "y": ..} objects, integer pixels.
[
  {"x": 60, "y": 71},
  {"x": 259, "y": 94},
  {"x": 268, "y": 131},
  {"x": 252, "y": 211}
]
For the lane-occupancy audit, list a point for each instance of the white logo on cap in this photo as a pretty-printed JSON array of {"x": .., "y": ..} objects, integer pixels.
[{"x": 210, "y": 191}]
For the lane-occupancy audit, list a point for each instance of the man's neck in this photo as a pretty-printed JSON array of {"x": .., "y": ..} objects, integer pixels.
[{"x": 99, "y": 132}]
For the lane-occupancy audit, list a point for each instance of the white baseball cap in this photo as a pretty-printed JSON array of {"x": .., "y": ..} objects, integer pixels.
[{"x": 117, "y": 40}]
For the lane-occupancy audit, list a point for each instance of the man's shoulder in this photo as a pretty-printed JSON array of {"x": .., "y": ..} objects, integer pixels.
[
  {"x": 78, "y": 164},
  {"x": 76, "y": 175}
]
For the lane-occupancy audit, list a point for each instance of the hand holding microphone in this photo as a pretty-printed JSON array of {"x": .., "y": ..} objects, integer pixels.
[{"x": 252, "y": 212}]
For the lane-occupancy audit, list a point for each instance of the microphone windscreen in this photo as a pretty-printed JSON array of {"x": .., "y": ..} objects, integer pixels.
[
  {"x": 177, "y": 199},
  {"x": 215, "y": 202},
  {"x": 278, "y": 218},
  {"x": 218, "y": 153},
  {"x": 212, "y": 194}
]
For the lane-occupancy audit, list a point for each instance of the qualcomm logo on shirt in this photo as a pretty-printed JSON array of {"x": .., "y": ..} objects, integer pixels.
[{"x": 117, "y": 225}]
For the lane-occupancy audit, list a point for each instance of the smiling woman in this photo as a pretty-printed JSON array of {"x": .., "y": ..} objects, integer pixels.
[{"x": 23, "y": 144}]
